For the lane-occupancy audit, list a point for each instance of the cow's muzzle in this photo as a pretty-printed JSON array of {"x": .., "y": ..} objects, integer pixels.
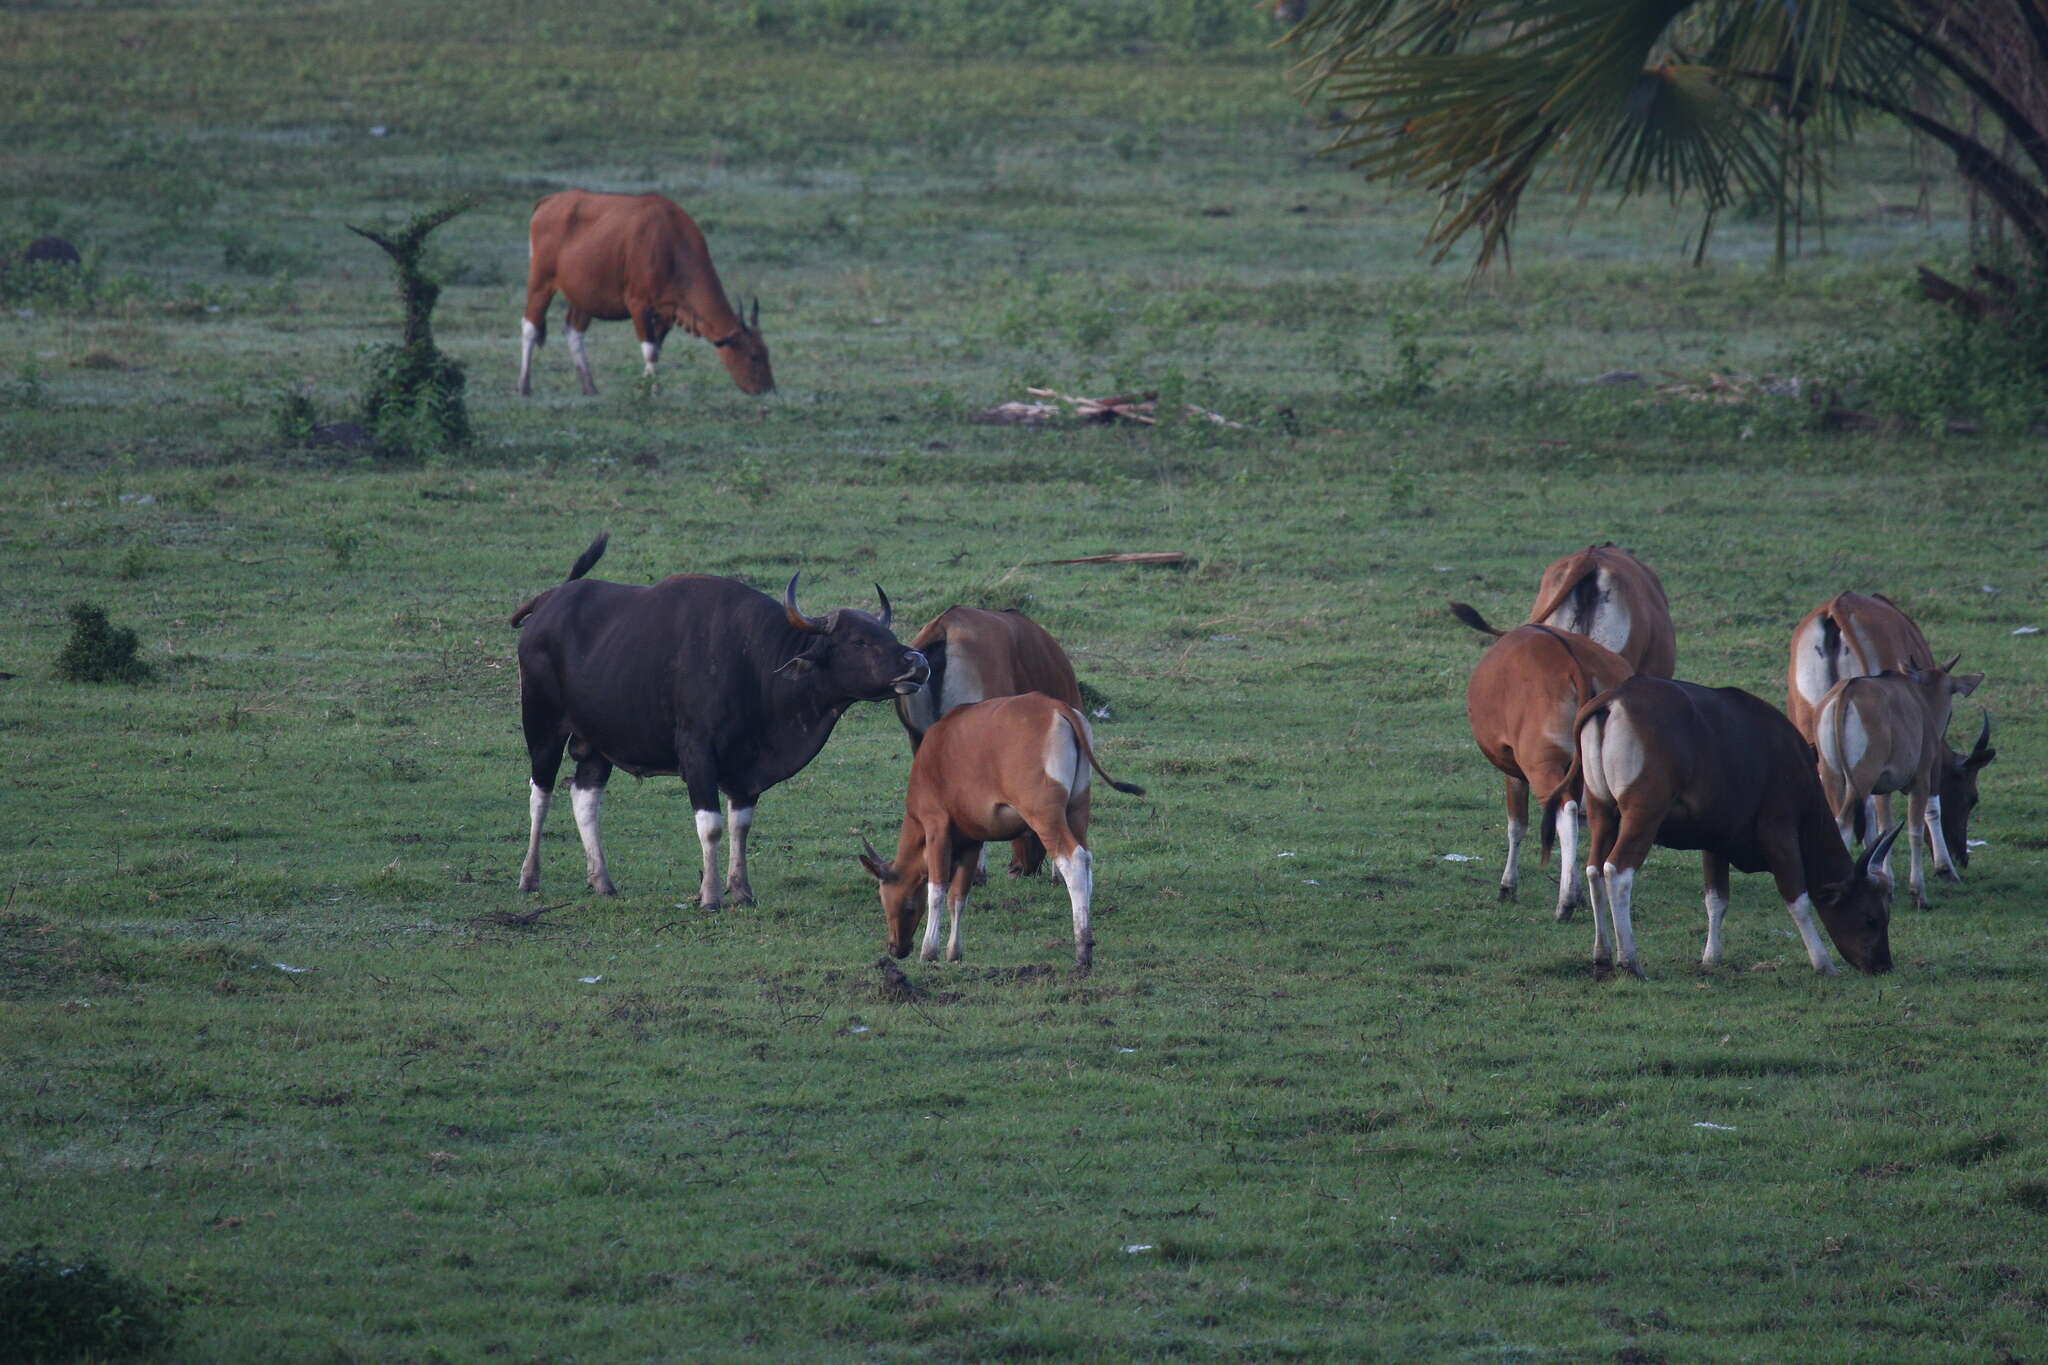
[{"x": 912, "y": 678}]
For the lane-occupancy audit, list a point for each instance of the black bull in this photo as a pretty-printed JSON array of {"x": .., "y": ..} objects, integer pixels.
[{"x": 696, "y": 677}]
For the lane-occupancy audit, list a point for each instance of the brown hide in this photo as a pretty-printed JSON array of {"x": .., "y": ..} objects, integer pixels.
[
  {"x": 1606, "y": 593},
  {"x": 618, "y": 257},
  {"x": 981, "y": 774},
  {"x": 975, "y": 655},
  {"x": 1521, "y": 701}
]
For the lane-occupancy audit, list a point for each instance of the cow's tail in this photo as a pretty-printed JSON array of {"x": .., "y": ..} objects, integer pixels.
[
  {"x": 1574, "y": 776},
  {"x": 1079, "y": 723},
  {"x": 1579, "y": 583},
  {"x": 1827, "y": 731},
  {"x": 585, "y": 562},
  {"x": 1474, "y": 619}
]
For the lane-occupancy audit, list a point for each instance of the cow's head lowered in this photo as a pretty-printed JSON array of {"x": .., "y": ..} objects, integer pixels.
[
  {"x": 1958, "y": 783},
  {"x": 856, "y": 652},
  {"x": 1858, "y": 913},
  {"x": 902, "y": 891},
  {"x": 745, "y": 354}
]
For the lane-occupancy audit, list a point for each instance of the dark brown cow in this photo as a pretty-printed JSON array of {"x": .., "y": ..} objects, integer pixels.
[
  {"x": 1721, "y": 771},
  {"x": 1607, "y": 594},
  {"x": 697, "y": 677},
  {"x": 1524, "y": 694},
  {"x": 1883, "y": 734},
  {"x": 637, "y": 256},
  {"x": 1857, "y": 635},
  {"x": 990, "y": 770},
  {"x": 974, "y": 655}
]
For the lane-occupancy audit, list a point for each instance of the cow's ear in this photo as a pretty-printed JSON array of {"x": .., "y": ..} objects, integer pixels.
[
  {"x": 1830, "y": 895},
  {"x": 806, "y": 661}
]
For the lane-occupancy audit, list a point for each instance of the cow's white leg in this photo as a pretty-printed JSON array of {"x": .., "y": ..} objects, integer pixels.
[
  {"x": 1620, "y": 886},
  {"x": 1567, "y": 859},
  {"x": 650, "y": 352},
  {"x": 1717, "y": 910},
  {"x": 582, "y": 359},
  {"x": 1077, "y": 869},
  {"x": 1817, "y": 953},
  {"x": 1511, "y": 875},
  {"x": 1916, "y": 836},
  {"x": 935, "y": 910},
  {"x": 529, "y": 338},
  {"x": 1944, "y": 862},
  {"x": 1597, "y": 897},
  {"x": 586, "y": 801},
  {"x": 710, "y": 829},
  {"x": 959, "y": 904},
  {"x": 538, "y": 799},
  {"x": 981, "y": 867},
  {"x": 741, "y": 819}
]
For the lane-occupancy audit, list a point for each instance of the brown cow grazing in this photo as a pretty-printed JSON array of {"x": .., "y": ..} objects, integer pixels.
[
  {"x": 991, "y": 770},
  {"x": 1719, "y": 770},
  {"x": 1607, "y": 594},
  {"x": 975, "y": 655},
  {"x": 1854, "y": 636},
  {"x": 1883, "y": 734},
  {"x": 1524, "y": 694},
  {"x": 638, "y": 256}
]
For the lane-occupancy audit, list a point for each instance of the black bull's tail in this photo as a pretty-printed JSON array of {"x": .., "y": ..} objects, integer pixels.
[{"x": 585, "y": 562}]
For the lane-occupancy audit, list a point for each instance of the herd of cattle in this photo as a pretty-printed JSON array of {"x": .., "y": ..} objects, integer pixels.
[
  {"x": 1580, "y": 705},
  {"x": 709, "y": 680}
]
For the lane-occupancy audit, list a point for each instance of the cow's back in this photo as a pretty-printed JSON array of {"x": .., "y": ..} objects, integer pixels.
[
  {"x": 1852, "y": 635},
  {"x": 601, "y": 249}
]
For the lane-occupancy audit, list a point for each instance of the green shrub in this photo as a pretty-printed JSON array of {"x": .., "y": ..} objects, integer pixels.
[
  {"x": 99, "y": 651},
  {"x": 56, "y": 1309}
]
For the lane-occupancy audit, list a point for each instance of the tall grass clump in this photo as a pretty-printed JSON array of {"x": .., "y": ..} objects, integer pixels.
[
  {"x": 55, "y": 1308},
  {"x": 98, "y": 650}
]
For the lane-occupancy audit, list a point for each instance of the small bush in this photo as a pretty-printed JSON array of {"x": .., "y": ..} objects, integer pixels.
[
  {"x": 99, "y": 651},
  {"x": 56, "y": 1309},
  {"x": 293, "y": 419}
]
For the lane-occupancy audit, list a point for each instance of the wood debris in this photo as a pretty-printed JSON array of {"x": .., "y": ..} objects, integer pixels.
[
  {"x": 1142, "y": 408},
  {"x": 1128, "y": 557}
]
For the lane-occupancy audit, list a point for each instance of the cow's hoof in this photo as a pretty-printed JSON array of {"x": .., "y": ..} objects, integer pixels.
[
  {"x": 529, "y": 884},
  {"x": 1564, "y": 912},
  {"x": 1635, "y": 969},
  {"x": 739, "y": 895},
  {"x": 604, "y": 888},
  {"x": 1507, "y": 893}
]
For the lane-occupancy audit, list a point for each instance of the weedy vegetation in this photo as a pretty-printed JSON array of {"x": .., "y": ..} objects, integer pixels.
[{"x": 289, "y": 1049}]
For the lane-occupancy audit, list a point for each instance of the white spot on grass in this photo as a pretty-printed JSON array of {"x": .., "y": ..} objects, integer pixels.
[
  {"x": 287, "y": 967},
  {"x": 858, "y": 1028},
  {"x": 1977, "y": 843},
  {"x": 1459, "y": 858},
  {"x": 1289, "y": 854},
  {"x": 1135, "y": 1247},
  {"x": 2028, "y": 630},
  {"x": 590, "y": 980},
  {"x": 1101, "y": 713},
  {"x": 1310, "y": 881},
  {"x": 1717, "y": 1127},
  {"x": 1127, "y": 1049}
]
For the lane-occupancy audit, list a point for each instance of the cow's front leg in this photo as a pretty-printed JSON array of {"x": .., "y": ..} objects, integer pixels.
[
  {"x": 573, "y": 328},
  {"x": 1817, "y": 954},
  {"x": 1918, "y": 833},
  {"x": 586, "y": 797},
  {"x": 1937, "y": 839},
  {"x": 700, "y": 775},
  {"x": 740, "y": 818}
]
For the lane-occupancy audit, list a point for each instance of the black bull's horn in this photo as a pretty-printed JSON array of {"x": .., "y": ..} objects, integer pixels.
[
  {"x": 1875, "y": 853},
  {"x": 823, "y": 625},
  {"x": 1983, "y": 738}
]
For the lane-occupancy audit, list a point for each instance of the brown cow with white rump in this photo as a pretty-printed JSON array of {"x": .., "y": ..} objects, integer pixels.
[
  {"x": 991, "y": 770},
  {"x": 1855, "y": 635},
  {"x": 1883, "y": 734},
  {"x": 637, "y": 256},
  {"x": 1524, "y": 694},
  {"x": 1719, "y": 770},
  {"x": 974, "y": 655},
  {"x": 1607, "y": 594}
]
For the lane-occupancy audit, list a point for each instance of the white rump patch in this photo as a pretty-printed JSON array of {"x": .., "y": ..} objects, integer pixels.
[{"x": 1063, "y": 761}]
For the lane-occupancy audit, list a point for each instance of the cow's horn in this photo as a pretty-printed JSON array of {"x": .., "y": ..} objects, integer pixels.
[
  {"x": 797, "y": 618},
  {"x": 1983, "y": 738},
  {"x": 1950, "y": 666},
  {"x": 754, "y": 322},
  {"x": 1874, "y": 854},
  {"x": 885, "y": 605}
]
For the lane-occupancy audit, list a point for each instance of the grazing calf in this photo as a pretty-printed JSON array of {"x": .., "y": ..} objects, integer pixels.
[
  {"x": 1719, "y": 770},
  {"x": 1855, "y": 636},
  {"x": 1524, "y": 694},
  {"x": 975, "y": 655},
  {"x": 1883, "y": 734},
  {"x": 991, "y": 770},
  {"x": 1609, "y": 595},
  {"x": 700, "y": 678},
  {"x": 638, "y": 257}
]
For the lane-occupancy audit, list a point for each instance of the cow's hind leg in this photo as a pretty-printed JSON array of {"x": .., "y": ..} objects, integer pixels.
[
  {"x": 533, "y": 332},
  {"x": 962, "y": 881},
  {"x": 938, "y": 872},
  {"x": 578, "y": 322},
  {"x": 586, "y": 797},
  {"x": 1568, "y": 859},
  {"x": 544, "y": 742},
  {"x": 1920, "y": 836},
  {"x": 1077, "y": 868},
  {"x": 1714, "y": 875},
  {"x": 1518, "y": 825},
  {"x": 739, "y": 818}
]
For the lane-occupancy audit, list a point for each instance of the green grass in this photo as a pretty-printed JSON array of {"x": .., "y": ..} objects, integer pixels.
[{"x": 1365, "y": 1112}]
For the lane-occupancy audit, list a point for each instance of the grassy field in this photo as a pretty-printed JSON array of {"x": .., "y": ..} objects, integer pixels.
[{"x": 1322, "y": 1098}]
